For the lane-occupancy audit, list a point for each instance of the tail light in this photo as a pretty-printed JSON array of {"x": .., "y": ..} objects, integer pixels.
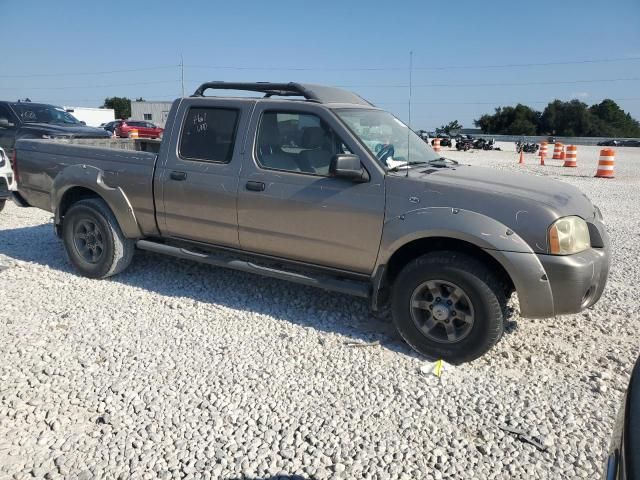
[{"x": 14, "y": 165}]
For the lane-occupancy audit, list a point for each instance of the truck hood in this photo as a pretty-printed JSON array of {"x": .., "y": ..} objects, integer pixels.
[
  {"x": 76, "y": 131},
  {"x": 527, "y": 204}
]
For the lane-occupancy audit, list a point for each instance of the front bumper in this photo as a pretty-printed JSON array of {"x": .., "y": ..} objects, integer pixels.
[
  {"x": 577, "y": 281},
  {"x": 4, "y": 188},
  {"x": 550, "y": 285}
]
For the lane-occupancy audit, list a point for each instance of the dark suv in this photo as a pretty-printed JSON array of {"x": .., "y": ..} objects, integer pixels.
[{"x": 40, "y": 120}]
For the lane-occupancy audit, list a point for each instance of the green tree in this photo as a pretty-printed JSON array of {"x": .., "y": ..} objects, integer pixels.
[
  {"x": 569, "y": 119},
  {"x": 449, "y": 127},
  {"x": 518, "y": 120},
  {"x": 572, "y": 119},
  {"x": 608, "y": 115},
  {"x": 120, "y": 105}
]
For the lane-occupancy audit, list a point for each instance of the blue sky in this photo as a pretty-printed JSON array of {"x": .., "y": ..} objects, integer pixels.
[{"x": 463, "y": 53}]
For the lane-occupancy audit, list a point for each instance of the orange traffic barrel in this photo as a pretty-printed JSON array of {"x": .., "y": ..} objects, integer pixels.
[
  {"x": 557, "y": 151},
  {"x": 543, "y": 152},
  {"x": 571, "y": 156},
  {"x": 133, "y": 134},
  {"x": 607, "y": 163},
  {"x": 543, "y": 149},
  {"x": 436, "y": 144}
]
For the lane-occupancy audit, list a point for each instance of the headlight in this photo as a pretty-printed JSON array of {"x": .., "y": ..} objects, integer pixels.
[{"x": 569, "y": 235}]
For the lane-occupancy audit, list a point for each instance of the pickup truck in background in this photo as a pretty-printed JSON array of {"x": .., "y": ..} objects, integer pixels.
[
  {"x": 40, "y": 120},
  {"x": 315, "y": 185}
]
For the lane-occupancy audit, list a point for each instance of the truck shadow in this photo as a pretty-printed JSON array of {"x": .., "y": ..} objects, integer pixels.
[
  {"x": 275, "y": 477},
  {"x": 186, "y": 281}
]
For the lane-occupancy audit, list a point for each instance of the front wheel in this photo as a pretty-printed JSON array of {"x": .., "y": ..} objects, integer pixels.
[
  {"x": 95, "y": 245},
  {"x": 2, "y": 204},
  {"x": 448, "y": 305}
]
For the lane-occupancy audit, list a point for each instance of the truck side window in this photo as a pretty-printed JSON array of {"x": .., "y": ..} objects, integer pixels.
[
  {"x": 296, "y": 142},
  {"x": 208, "y": 134}
]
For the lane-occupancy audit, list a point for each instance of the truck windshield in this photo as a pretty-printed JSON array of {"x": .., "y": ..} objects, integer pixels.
[
  {"x": 35, "y": 113},
  {"x": 391, "y": 141}
]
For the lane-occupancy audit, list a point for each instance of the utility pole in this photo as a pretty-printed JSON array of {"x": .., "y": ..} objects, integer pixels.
[
  {"x": 410, "y": 83},
  {"x": 182, "y": 73},
  {"x": 409, "y": 124}
]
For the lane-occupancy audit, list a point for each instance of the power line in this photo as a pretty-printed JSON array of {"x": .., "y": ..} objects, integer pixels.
[
  {"x": 425, "y": 85},
  {"x": 309, "y": 68},
  {"x": 169, "y": 97},
  {"x": 438, "y": 67},
  {"x": 502, "y": 84},
  {"x": 544, "y": 64},
  {"x": 500, "y": 102},
  {"x": 90, "y": 86},
  {"x": 74, "y": 74}
]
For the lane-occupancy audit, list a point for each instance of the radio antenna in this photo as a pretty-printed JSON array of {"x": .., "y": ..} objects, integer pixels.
[{"x": 410, "y": 93}]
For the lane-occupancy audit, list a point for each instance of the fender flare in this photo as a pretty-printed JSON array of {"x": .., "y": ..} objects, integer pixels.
[
  {"x": 472, "y": 227},
  {"x": 92, "y": 178},
  {"x": 496, "y": 239}
]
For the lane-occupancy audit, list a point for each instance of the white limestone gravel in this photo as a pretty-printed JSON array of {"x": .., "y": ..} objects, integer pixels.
[{"x": 177, "y": 370}]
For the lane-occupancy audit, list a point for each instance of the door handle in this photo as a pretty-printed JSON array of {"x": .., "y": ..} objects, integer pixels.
[
  {"x": 179, "y": 176},
  {"x": 255, "y": 186}
]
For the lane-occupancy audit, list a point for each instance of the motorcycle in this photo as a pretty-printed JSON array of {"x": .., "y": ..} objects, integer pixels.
[
  {"x": 464, "y": 144},
  {"x": 526, "y": 147},
  {"x": 479, "y": 143},
  {"x": 490, "y": 145}
]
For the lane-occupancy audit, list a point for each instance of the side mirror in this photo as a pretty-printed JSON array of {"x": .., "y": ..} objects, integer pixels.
[
  {"x": 5, "y": 123},
  {"x": 348, "y": 166},
  {"x": 82, "y": 122}
]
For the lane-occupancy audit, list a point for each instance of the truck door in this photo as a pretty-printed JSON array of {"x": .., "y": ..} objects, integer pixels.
[
  {"x": 198, "y": 179},
  {"x": 288, "y": 204}
]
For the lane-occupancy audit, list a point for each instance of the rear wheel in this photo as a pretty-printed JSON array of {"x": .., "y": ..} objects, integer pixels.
[
  {"x": 448, "y": 305},
  {"x": 95, "y": 245}
]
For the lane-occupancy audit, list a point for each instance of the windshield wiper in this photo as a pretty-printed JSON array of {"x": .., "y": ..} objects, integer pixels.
[
  {"x": 443, "y": 161},
  {"x": 406, "y": 165}
]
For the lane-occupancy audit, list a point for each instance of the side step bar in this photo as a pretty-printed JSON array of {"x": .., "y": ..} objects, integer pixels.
[{"x": 326, "y": 282}]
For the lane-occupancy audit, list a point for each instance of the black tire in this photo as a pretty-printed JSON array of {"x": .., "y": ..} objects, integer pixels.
[
  {"x": 116, "y": 252},
  {"x": 484, "y": 292},
  {"x": 2, "y": 204}
]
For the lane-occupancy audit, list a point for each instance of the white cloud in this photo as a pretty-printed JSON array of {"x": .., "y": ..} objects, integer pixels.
[{"x": 579, "y": 94}]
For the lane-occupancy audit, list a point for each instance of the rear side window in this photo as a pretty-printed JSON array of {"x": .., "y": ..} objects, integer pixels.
[{"x": 209, "y": 134}]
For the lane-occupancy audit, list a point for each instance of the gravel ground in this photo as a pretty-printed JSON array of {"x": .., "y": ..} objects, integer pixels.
[{"x": 177, "y": 370}]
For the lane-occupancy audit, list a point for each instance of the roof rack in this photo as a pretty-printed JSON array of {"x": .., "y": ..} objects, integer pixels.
[
  {"x": 290, "y": 89},
  {"x": 313, "y": 93}
]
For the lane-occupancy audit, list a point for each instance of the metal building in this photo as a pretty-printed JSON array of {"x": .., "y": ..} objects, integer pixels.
[
  {"x": 155, "y": 112},
  {"x": 93, "y": 117}
]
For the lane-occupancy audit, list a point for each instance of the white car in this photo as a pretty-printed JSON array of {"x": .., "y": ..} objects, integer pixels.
[{"x": 6, "y": 178}]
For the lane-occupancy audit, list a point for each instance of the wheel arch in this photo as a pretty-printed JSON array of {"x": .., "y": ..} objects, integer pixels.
[
  {"x": 421, "y": 246},
  {"x": 77, "y": 182}
]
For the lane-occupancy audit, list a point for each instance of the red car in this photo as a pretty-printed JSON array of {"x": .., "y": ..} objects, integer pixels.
[{"x": 145, "y": 129}]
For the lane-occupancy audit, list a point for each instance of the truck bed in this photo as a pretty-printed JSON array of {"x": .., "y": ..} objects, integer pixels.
[{"x": 39, "y": 162}]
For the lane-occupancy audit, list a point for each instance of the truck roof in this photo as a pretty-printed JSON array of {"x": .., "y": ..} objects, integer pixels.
[{"x": 311, "y": 92}]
